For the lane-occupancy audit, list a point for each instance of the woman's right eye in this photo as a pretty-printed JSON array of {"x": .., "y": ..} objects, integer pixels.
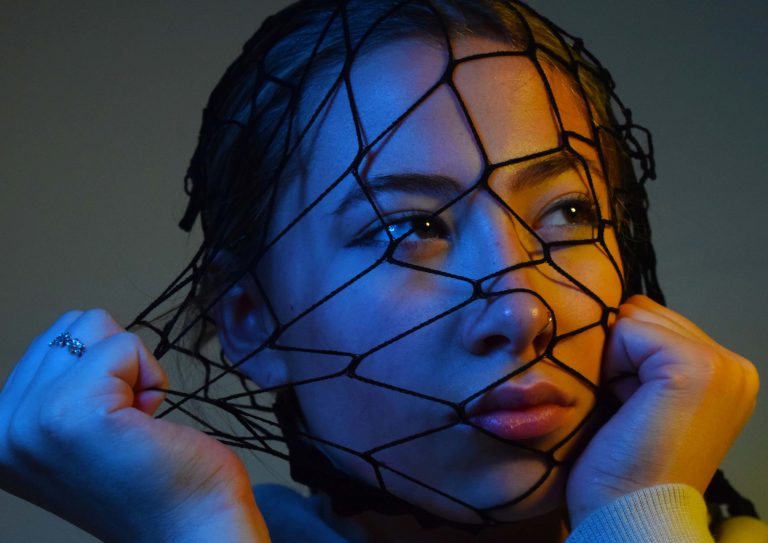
[{"x": 417, "y": 229}]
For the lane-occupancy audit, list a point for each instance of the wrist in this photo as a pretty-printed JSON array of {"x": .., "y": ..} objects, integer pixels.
[
  {"x": 666, "y": 512},
  {"x": 235, "y": 519}
]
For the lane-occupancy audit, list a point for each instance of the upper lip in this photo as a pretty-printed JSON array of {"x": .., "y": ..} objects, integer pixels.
[{"x": 509, "y": 397}]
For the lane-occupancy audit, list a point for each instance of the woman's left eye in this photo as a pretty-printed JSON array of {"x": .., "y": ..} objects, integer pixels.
[{"x": 572, "y": 211}]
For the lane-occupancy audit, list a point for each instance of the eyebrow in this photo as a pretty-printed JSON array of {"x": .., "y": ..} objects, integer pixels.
[{"x": 446, "y": 188}]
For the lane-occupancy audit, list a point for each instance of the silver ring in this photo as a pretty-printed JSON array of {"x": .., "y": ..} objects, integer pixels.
[{"x": 65, "y": 339}]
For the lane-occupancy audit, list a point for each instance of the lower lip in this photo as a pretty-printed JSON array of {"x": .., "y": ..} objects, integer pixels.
[{"x": 523, "y": 424}]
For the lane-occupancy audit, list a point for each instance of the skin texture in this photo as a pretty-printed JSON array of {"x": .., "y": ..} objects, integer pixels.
[
  {"x": 470, "y": 349},
  {"x": 77, "y": 438},
  {"x": 649, "y": 442}
]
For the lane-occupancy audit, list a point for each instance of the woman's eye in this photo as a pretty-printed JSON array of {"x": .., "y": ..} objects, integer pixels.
[
  {"x": 419, "y": 229},
  {"x": 572, "y": 217}
]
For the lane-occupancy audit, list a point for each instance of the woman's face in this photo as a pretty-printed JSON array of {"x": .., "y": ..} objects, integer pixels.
[{"x": 401, "y": 341}]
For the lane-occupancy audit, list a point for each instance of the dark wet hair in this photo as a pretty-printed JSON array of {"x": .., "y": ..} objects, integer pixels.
[
  {"x": 247, "y": 152},
  {"x": 249, "y": 132}
]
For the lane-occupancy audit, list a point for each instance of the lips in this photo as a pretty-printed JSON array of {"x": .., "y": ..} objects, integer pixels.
[{"x": 522, "y": 413}]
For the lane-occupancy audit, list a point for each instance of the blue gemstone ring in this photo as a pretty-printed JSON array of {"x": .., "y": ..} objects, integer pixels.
[{"x": 65, "y": 339}]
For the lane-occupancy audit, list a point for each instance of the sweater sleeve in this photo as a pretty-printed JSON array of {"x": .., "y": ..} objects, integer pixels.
[{"x": 671, "y": 513}]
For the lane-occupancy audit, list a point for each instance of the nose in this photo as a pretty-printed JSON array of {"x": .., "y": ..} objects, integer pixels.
[
  {"x": 517, "y": 321},
  {"x": 511, "y": 314}
]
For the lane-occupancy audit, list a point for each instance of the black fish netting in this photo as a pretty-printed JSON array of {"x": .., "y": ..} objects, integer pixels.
[{"x": 255, "y": 127}]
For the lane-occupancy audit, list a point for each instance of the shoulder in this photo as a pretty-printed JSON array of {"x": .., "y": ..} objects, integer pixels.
[{"x": 292, "y": 517}]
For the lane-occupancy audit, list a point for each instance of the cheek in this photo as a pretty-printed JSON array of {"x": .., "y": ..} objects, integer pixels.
[
  {"x": 383, "y": 306},
  {"x": 582, "y": 353},
  {"x": 361, "y": 414},
  {"x": 592, "y": 288},
  {"x": 598, "y": 269},
  {"x": 593, "y": 270}
]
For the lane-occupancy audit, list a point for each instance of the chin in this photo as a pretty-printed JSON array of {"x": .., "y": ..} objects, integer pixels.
[
  {"x": 547, "y": 498},
  {"x": 501, "y": 497}
]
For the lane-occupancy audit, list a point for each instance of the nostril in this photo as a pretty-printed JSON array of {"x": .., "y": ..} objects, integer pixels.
[
  {"x": 519, "y": 323},
  {"x": 541, "y": 342},
  {"x": 544, "y": 337},
  {"x": 493, "y": 343}
]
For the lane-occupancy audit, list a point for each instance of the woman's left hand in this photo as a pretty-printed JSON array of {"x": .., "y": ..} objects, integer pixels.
[{"x": 683, "y": 406}]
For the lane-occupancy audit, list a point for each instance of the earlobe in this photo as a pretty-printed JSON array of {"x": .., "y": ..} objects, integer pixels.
[{"x": 244, "y": 325}]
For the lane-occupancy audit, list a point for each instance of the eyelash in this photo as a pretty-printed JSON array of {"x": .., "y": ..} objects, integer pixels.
[
  {"x": 367, "y": 237},
  {"x": 580, "y": 203}
]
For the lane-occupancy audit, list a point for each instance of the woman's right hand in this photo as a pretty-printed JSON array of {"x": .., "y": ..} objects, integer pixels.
[{"x": 77, "y": 437}]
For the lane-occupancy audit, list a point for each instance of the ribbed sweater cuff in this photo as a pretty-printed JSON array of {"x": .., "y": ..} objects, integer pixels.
[{"x": 672, "y": 513}]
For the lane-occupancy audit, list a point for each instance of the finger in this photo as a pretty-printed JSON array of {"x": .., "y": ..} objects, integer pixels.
[
  {"x": 27, "y": 366},
  {"x": 46, "y": 369},
  {"x": 633, "y": 312},
  {"x": 66, "y": 392},
  {"x": 53, "y": 364},
  {"x": 680, "y": 322},
  {"x": 650, "y": 350},
  {"x": 123, "y": 368},
  {"x": 647, "y": 310},
  {"x": 89, "y": 328},
  {"x": 623, "y": 386},
  {"x": 151, "y": 382}
]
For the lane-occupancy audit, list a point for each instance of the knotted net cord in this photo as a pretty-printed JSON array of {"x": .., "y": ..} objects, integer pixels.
[{"x": 229, "y": 224}]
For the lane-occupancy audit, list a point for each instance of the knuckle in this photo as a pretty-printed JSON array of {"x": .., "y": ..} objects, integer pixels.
[
  {"x": 99, "y": 315},
  {"x": 703, "y": 370},
  {"x": 752, "y": 379},
  {"x": 683, "y": 381},
  {"x": 72, "y": 314},
  {"x": 709, "y": 366},
  {"x": 127, "y": 340},
  {"x": 66, "y": 317}
]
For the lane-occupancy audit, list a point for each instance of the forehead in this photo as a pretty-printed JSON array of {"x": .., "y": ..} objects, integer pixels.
[{"x": 412, "y": 112}]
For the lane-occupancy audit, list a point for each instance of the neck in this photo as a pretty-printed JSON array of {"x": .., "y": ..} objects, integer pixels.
[{"x": 372, "y": 527}]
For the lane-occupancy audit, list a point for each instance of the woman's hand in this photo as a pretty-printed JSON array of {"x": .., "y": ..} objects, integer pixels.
[
  {"x": 684, "y": 404},
  {"x": 77, "y": 437}
]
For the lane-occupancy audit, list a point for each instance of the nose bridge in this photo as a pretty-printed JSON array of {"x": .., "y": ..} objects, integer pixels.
[
  {"x": 514, "y": 314},
  {"x": 506, "y": 252}
]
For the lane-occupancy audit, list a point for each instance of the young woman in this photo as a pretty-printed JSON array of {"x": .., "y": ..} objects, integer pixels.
[{"x": 426, "y": 237}]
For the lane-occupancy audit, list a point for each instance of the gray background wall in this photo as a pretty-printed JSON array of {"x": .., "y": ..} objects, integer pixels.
[{"x": 99, "y": 110}]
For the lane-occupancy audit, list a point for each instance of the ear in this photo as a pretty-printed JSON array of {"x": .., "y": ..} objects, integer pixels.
[{"x": 243, "y": 324}]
